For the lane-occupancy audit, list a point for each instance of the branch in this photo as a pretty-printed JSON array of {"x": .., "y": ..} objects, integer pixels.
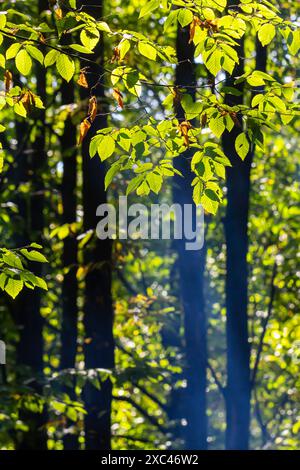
[{"x": 218, "y": 383}]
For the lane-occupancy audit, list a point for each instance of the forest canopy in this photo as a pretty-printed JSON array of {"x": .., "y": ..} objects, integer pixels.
[{"x": 140, "y": 343}]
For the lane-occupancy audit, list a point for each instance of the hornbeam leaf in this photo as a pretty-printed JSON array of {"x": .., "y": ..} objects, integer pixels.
[
  {"x": 23, "y": 62},
  {"x": 242, "y": 145},
  {"x": 266, "y": 33},
  {"x": 147, "y": 50},
  {"x": 65, "y": 66},
  {"x": 148, "y": 8},
  {"x": 14, "y": 287},
  {"x": 185, "y": 17},
  {"x": 106, "y": 147}
]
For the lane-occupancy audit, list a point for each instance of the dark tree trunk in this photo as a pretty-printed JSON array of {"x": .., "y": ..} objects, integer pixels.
[
  {"x": 26, "y": 308},
  {"x": 238, "y": 390},
  {"x": 191, "y": 267},
  {"x": 238, "y": 369},
  {"x": 69, "y": 285},
  {"x": 98, "y": 311}
]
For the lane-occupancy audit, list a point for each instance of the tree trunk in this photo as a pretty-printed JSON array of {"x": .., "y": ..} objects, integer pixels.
[
  {"x": 191, "y": 268},
  {"x": 98, "y": 311},
  {"x": 238, "y": 390},
  {"x": 69, "y": 285}
]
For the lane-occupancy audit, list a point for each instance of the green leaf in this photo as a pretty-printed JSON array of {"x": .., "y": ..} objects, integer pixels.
[
  {"x": 266, "y": 33},
  {"x": 185, "y": 17},
  {"x": 257, "y": 99},
  {"x": 211, "y": 194},
  {"x": 212, "y": 60},
  {"x": 134, "y": 184},
  {"x": 39, "y": 282},
  {"x": 110, "y": 174},
  {"x": 295, "y": 44},
  {"x": 209, "y": 205},
  {"x": 2, "y": 61},
  {"x": 103, "y": 26},
  {"x": 13, "y": 50},
  {"x": 58, "y": 406},
  {"x": 147, "y": 50},
  {"x": 11, "y": 259},
  {"x": 2, "y": 19},
  {"x": 242, "y": 145},
  {"x": 65, "y": 66},
  {"x": 217, "y": 126},
  {"x": 192, "y": 109},
  {"x": 14, "y": 287},
  {"x": 90, "y": 37},
  {"x": 255, "y": 80},
  {"x": 50, "y": 58},
  {"x": 124, "y": 47},
  {"x": 23, "y": 62},
  {"x": 34, "y": 255},
  {"x": 148, "y": 8},
  {"x": 72, "y": 414},
  {"x": 106, "y": 147},
  {"x": 155, "y": 182},
  {"x": 197, "y": 192},
  {"x": 35, "y": 53},
  {"x": 80, "y": 48}
]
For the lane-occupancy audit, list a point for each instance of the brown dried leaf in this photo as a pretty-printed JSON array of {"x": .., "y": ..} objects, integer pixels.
[
  {"x": 117, "y": 95},
  {"x": 184, "y": 128},
  {"x": 193, "y": 25},
  {"x": 92, "y": 112},
  {"x": 82, "y": 81},
  {"x": 116, "y": 55},
  {"x": 7, "y": 80},
  {"x": 59, "y": 13},
  {"x": 84, "y": 127}
]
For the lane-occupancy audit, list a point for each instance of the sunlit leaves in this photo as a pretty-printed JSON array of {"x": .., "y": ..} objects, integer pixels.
[
  {"x": 105, "y": 146},
  {"x": 33, "y": 255},
  {"x": 208, "y": 164},
  {"x": 90, "y": 37},
  {"x": 149, "y": 7},
  {"x": 12, "y": 51},
  {"x": 50, "y": 58},
  {"x": 14, "y": 274},
  {"x": 2, "y": 20},
  {"x": 185, "y": 17},
  {"x": 35, "y": 53},
  {"x": 14, "y": 287},
  {"x": 65, "y": 66},
  {"x": 266, "y": 33},
  {"x": 23, "y": 62},
  {"x": 217, "y": 126},
  {"x": 147, "y": 50},
  {"x": 212, "y": 59},
  {"x": 242, "y": 145}
]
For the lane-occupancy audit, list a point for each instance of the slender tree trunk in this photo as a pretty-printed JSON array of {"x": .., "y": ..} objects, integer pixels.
[
  {"x": 238, "y": 390},
  {"x": 69, "y": 285},
  {"x": 27, "y": 306},
  {"x": 191, "y": 267},
  {"x": 98, "y": 311}
]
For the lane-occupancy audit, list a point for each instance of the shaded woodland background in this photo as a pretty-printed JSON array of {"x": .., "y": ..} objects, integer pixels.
[{"x": 141, "y": 344}]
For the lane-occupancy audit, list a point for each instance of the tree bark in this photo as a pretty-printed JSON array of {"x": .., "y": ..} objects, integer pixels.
[
  {"x": 191, "y": 268},
  {"x": 238, "y": 391},
  {"x": 98, "y": 311}
]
